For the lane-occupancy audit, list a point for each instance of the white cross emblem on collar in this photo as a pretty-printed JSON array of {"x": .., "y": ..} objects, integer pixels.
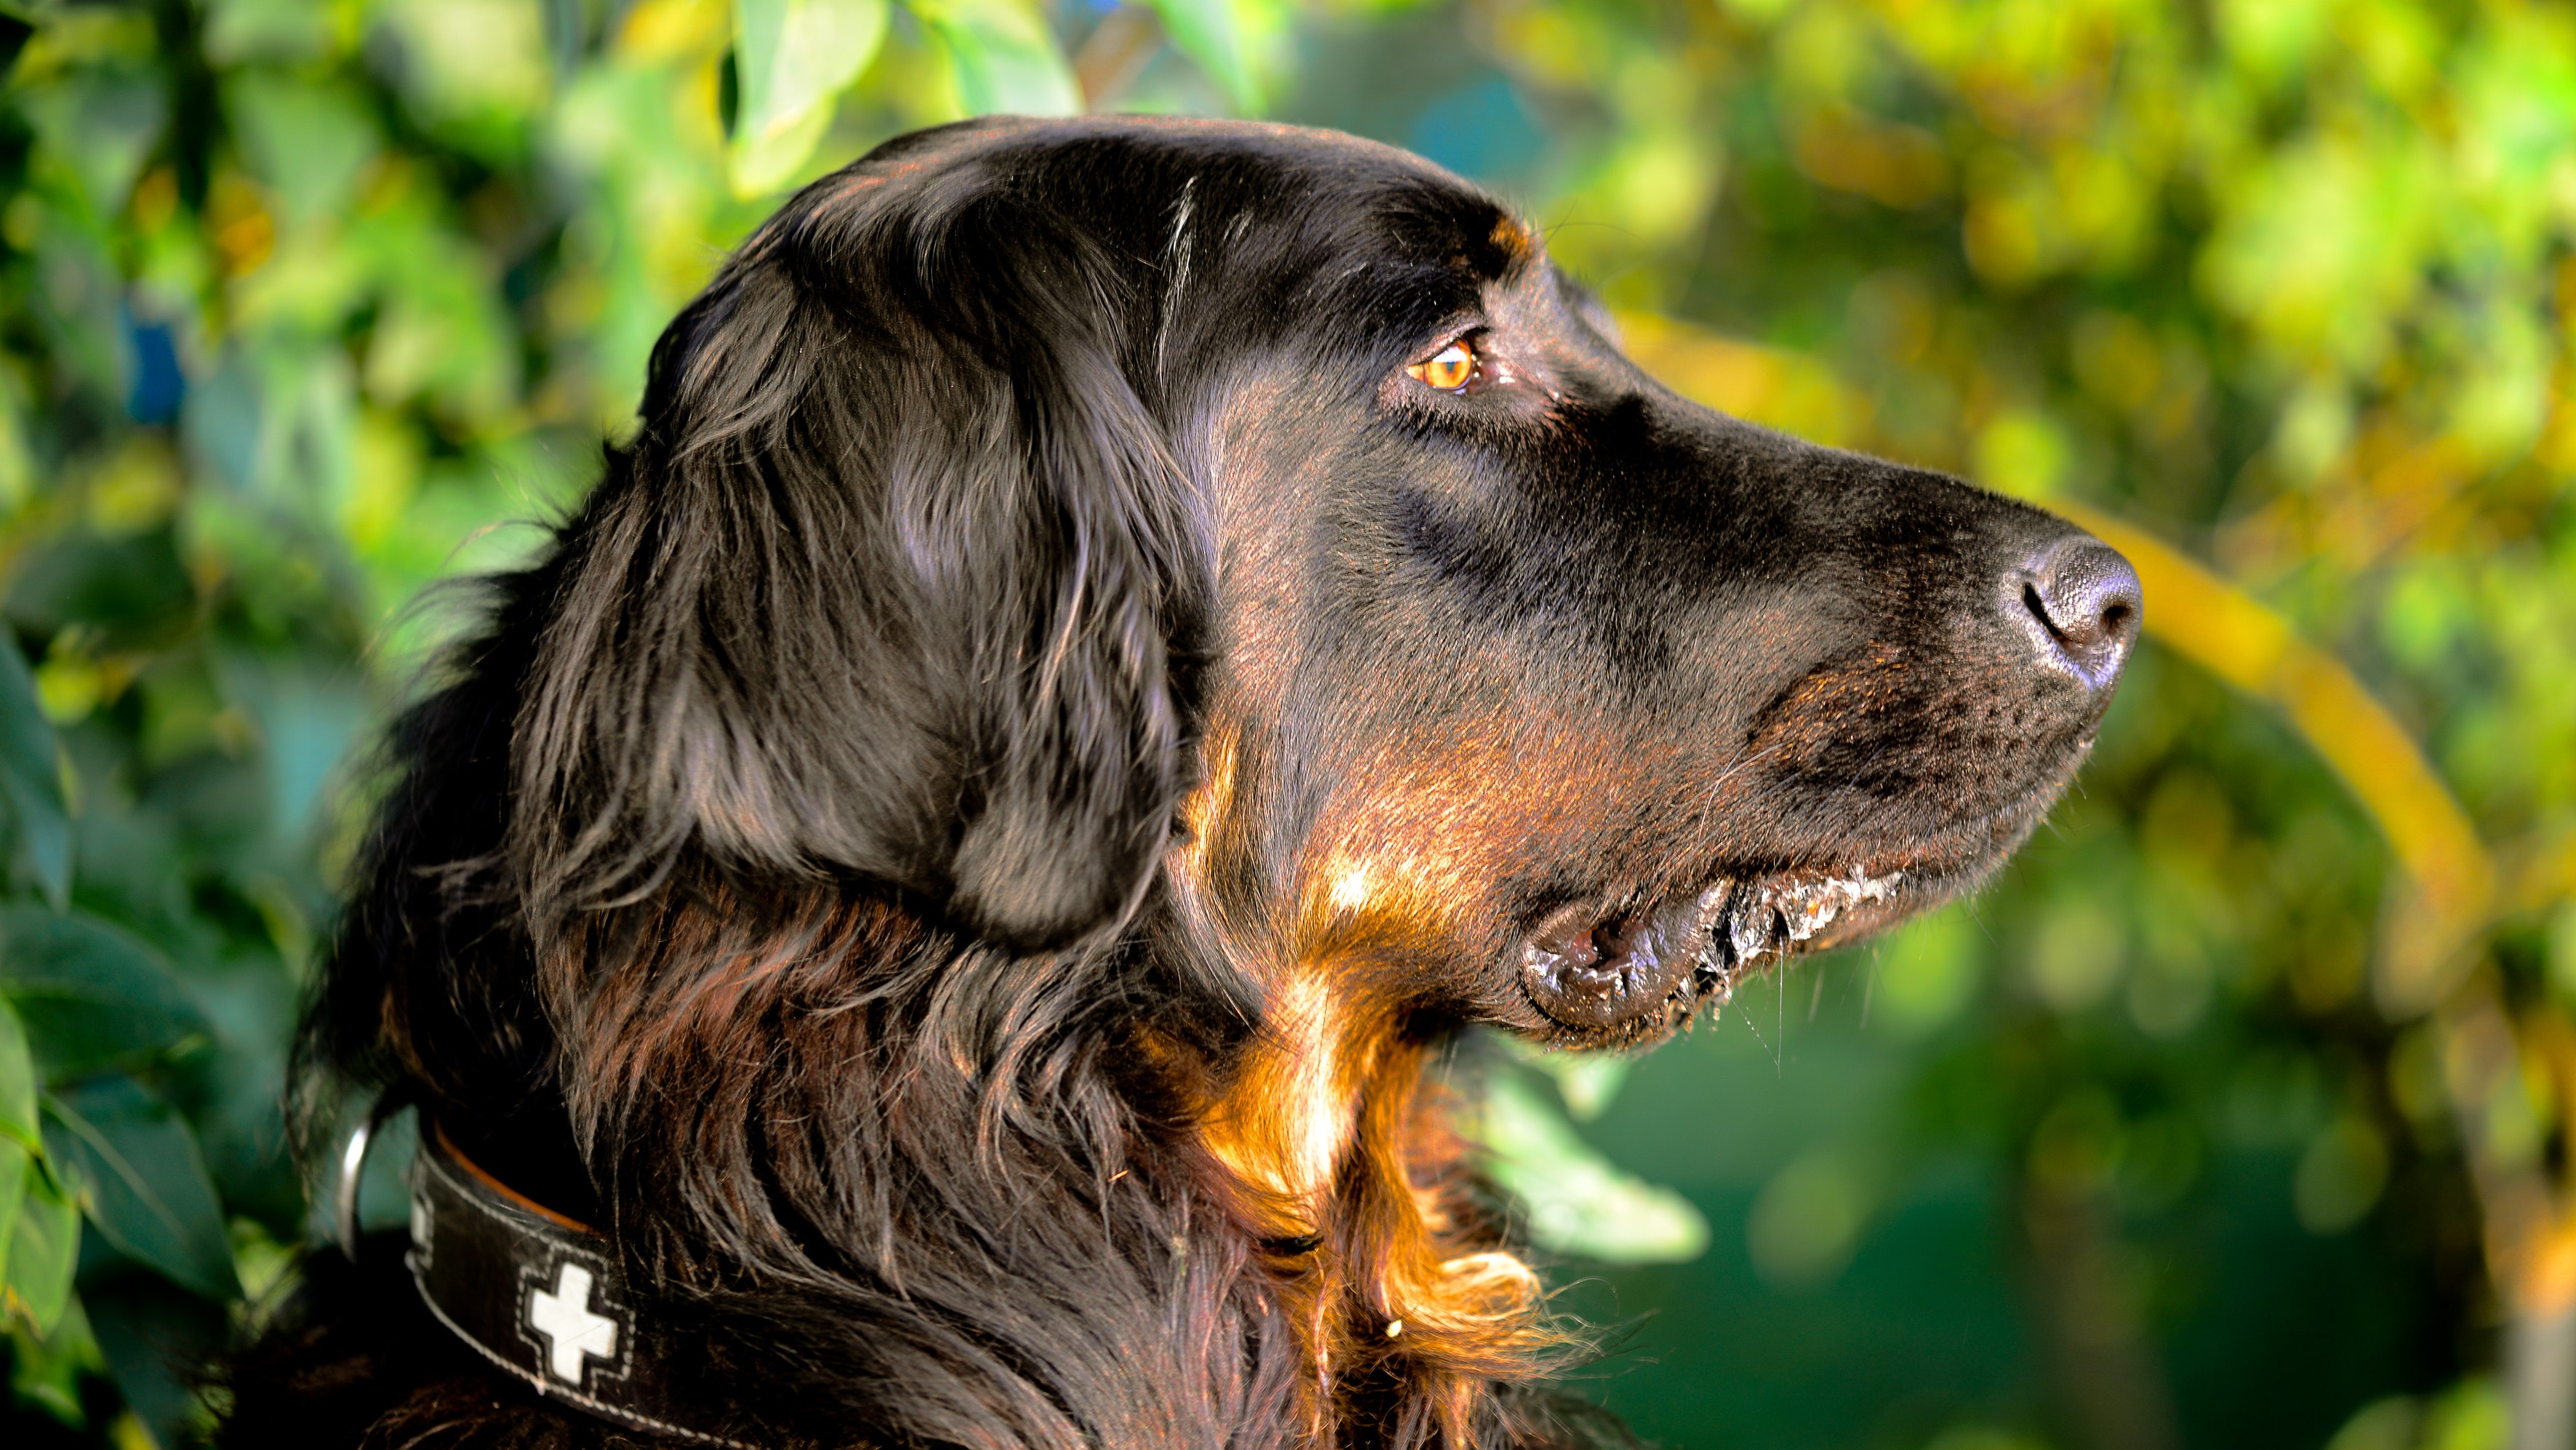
[{"x": 573, "y": 1334}]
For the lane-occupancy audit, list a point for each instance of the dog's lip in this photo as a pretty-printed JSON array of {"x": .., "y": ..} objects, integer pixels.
[
  {"x": 1785, "y": 913},
  {"x": 1745, "y": 918},
  {"x": 1676, "y": 953}
]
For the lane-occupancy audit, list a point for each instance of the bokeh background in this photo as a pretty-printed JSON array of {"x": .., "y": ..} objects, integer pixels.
[{"x": 2237, "y": 1112}]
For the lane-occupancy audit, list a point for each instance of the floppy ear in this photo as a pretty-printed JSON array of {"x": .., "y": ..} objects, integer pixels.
[{"x": 901, "y": 582}]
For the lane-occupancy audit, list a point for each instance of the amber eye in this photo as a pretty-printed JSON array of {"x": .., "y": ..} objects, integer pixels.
[{"x": 1450, "y": 369}]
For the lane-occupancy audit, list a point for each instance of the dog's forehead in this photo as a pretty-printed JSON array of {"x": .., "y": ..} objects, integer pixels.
[{"x": 1285, "y": 190}]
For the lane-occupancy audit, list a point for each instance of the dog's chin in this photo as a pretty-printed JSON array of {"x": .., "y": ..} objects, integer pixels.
[{"x": 1629, "y": 978}]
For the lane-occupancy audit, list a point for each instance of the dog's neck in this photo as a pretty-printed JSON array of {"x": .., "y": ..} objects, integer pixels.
[
  {"x": 1340, "y": 1145},
  {"x": 1295, "y": 1186},
  {"x": 1333, "y": 1137},
  {"x": 1288, "y": 1111}
]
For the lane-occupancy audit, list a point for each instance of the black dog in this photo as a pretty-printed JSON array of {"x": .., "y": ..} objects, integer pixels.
[{"x": 923, "y": 921}]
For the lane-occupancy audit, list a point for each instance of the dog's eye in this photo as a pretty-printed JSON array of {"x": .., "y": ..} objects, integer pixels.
[{"x": 1450, "y": 369}]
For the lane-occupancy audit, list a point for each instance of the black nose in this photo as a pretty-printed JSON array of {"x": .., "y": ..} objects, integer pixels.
[{"x": 2084, "y": 597}]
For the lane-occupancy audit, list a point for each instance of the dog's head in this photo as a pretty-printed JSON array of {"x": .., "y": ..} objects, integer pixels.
[
  {"x": 1114, "y": 637},
  {"x": 1036, "y": 511}
]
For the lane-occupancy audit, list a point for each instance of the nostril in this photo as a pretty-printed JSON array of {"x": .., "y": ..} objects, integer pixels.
[{"x": 2086, "y": 597}]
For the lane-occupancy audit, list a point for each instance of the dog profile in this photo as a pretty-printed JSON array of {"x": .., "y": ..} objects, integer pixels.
[{"x": 1116, "y": 642}]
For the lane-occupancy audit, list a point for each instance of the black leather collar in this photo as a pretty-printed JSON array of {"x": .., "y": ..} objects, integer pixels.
[{"x": 539, "y": 1295}]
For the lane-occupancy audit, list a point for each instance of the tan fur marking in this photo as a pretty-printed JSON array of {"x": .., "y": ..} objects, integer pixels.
[
  {"x": 1288, "y": 1116},
  {"x": 1325, "y": 1122}
]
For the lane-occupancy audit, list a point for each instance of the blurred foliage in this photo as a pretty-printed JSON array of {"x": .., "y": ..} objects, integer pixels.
[{"x": 2238, "y": 1112}]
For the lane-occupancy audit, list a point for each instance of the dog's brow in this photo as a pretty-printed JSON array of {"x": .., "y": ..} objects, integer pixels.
[{"x": 1515, "y": 237}]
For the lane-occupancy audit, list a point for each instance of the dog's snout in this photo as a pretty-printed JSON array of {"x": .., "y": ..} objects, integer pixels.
[{"x": 2084, "y": 599}]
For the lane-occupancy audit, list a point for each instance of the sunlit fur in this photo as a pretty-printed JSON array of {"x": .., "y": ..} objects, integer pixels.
[{"x": 964, "y": 855}]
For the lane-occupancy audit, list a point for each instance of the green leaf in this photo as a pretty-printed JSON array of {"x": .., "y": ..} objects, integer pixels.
[
  {"x": 17, "y": 1165},
  {"x": 89, "y": 994},
  {"x": 1207, "y": 32},
  {"x": 1587, "y": 1081},
  {"x": 474, "y": 71},
  {"x": 44, "y": 1248},
  {"x": 142, "y": 1181},
  {"x": 103, "y": 125},
  {"x": 1002, "y": 57},
  {"x": 31, "y": 777},
  {"x": 791, "y": 59},
  {"x": 280, "y": 30},
  {"x": 150, "y": 1338},
  {"x": 1579, "y": 1203},
  {"x": 308, "y": 142},
  {"x": 17, "y": 1083}
]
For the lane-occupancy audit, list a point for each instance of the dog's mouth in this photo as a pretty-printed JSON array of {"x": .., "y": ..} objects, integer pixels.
[
  {"x": 1604, "y": 974},
  {"x": 1629, "y": 974}
]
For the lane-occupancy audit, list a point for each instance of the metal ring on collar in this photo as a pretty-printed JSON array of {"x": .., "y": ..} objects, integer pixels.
[{"x": 353, "y": 1165}]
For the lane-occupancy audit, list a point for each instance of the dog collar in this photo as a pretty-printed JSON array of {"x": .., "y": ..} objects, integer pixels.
[{"x": 539, "y": 1295}]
